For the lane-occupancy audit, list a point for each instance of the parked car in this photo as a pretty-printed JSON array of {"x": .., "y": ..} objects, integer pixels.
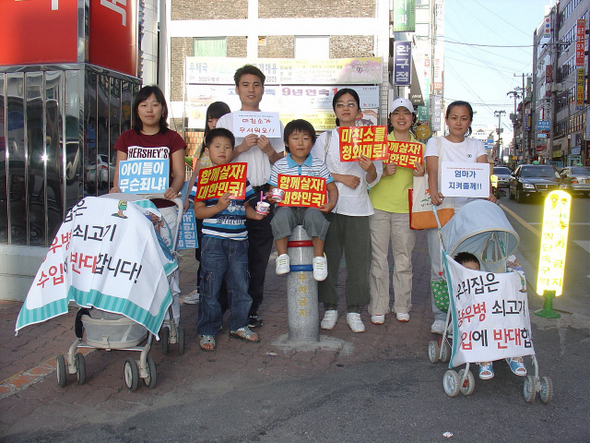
[
  {"x": 530, "y": 181},
  {"x": 578, "y": 178},
  {"x": 104, "y": 169},
  {"x": 503, "y": 173}
]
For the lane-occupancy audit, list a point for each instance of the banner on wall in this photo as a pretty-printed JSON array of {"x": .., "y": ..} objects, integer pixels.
[
  {"x": 404, "y": 16},
  {"x": 402, "y": 63}
]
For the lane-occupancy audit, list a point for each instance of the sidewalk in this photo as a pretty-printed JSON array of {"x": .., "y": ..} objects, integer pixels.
[{"x": 27, "y": 362}]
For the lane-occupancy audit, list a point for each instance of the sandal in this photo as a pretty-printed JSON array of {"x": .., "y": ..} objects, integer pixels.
[
  {"x": 517, "y": 366},
  {"x": 245, "y": 334},
  {"x": 486, "y": 370},
  {"x": 207, "y": 342}
]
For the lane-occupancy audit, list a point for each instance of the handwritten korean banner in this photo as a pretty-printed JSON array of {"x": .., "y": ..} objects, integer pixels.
[
  {"x": 144, "y": 176},
  {"x": 216, "y": 181},
  {"x": 302, "y": 191},
  {"x": 259, "y": 123},
  {"x": 404, "y": 154},
  {"x": 370, "y": 141},
  {"x": 491, "y": 314},
  {"x": 465, "y": 179}
]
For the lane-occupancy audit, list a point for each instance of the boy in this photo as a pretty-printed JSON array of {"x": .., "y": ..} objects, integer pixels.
[
  {"x": 224, "y": 253},
  {"x": 299, "y": 139},
  {"x": 486, "y": 369},
  {"x": 260, "y": 153}
]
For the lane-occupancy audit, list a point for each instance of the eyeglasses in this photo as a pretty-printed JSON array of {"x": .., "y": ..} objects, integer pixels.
[{"x": 346, "y": 105}]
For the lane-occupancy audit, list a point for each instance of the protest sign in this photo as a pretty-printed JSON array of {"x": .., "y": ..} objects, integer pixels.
[
  {"x": 187, "y": 235},
  {"x": 215, "y": 181},
  {"x": 404, "y": 154},
  {"x": 370, "y": 141},
  {"x": 144, "y": 176},
  {"x": 302, "y": 191},
  {"x": 491, "y": 314},
  {"x": 259, "y": 123},
  {"x": 465, "y": 179}
]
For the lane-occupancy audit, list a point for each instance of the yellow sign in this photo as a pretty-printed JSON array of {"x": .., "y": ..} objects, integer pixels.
[
  {"x": 556, "y": 219},
  {"x": 422, "y": 132},
  {"x": 580, "y": 88},
  {"x": 494, "y": 179}
]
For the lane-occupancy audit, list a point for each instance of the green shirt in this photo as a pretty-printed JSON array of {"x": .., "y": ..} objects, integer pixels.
[{"x": 391, "y": 193}]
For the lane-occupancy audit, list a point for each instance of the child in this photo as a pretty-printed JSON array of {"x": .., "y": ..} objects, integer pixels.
[
  {"x": 224, "y": 253},
  {"x": 299, "y": 139},
  {"x": 214, "y": 112},
  {"x": 486, "y": 369},
  {"x": 391, "y": 224}
]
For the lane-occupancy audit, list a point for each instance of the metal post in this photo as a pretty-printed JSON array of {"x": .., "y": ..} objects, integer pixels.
[{"x": 302, "y": 290}]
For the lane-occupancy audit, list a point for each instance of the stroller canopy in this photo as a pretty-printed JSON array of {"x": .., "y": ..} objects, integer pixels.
[{"x": 482, "y": 229}]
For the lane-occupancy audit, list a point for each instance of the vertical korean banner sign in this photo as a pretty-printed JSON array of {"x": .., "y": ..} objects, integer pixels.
[
  {"x": 402, "y": 63},
  {"x": 404, "y": 16}
]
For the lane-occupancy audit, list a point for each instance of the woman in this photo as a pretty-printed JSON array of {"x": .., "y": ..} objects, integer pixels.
[
  {"x": 349, "y": 231},
  {"x": 391, "y": 223}
]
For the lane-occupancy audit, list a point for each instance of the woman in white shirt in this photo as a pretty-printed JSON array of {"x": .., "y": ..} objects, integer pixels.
[
  {"x": 456, "y": 146},
  {"x": 349, "y": 230}
]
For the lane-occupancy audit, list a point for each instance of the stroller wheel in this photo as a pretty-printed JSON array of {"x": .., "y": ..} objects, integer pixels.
[
  {"x": 529, "y": 390},
  {"x": 180, "y": 340},
  {"x": 546, "y": 392},
  {"x": 150, "y": 380},
  {"x": 468, "y": 385},
  {"x": 445, "y": 354},
  {"x": 433, "y": 352},
  {"x": 451, "y": 383},
  {"x": 60, "y": 363},
  {"x": 131, "y": 374},
  {"x": 165, "y": 339},
  {"x": 80, "y": 369}
]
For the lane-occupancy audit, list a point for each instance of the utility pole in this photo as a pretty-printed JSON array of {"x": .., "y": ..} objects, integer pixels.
[
  {"x": 525, "y": 141},
  {"x": 513, "y": 119},
  {"x": 499, "y": 130}
]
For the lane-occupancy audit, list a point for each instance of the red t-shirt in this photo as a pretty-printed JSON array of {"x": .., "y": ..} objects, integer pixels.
[{"x": 160, "y": 145}]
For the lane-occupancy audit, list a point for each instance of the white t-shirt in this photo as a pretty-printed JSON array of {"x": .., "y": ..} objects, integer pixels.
[
  {"x": 354, "y": 202},
  {"x": 467, "y": 151},
  {"x": 259, "y": 166}
]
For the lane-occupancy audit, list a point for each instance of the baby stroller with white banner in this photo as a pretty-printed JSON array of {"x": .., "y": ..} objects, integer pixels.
[
  {"x": 487, "y": 315},
  {"x": 108, "y": 259}
]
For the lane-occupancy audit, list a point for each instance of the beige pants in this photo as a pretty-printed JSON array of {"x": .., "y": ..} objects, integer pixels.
[{"x": 386, "y": 227}]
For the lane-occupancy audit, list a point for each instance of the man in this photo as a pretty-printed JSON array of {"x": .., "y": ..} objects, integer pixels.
[{"x": 260, "y": 153}]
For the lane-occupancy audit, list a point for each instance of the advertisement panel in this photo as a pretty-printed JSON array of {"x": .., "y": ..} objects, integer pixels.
[
  {"x": 580, "y": 89},
  {"x": 580, "y": 40},
  {"x": 402, "y": 66},
  {"x": 113, "y": 36},
  {"x": 24, "y": 43},
  {"x": 404, "y": 16}
]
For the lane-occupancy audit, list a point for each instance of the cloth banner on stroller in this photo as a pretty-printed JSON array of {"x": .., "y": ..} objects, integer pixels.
[
  {"x": 106, "y": 255},
  {"x": 490, "y": 315}
]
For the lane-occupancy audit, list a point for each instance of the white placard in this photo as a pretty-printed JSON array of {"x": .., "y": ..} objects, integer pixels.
[
  {"x": 259, "y": 123},
  {"x": 465, "y": 179}
]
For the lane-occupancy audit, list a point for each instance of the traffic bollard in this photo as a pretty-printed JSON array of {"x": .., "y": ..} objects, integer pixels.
[{"x": 302, "y": 290}]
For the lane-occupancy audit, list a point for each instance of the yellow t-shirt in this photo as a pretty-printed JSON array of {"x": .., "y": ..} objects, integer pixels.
[{"x": 391, "y": 193}]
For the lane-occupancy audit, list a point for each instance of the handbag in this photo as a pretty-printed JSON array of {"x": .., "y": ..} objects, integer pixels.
[{"x": 421, "y": 214}]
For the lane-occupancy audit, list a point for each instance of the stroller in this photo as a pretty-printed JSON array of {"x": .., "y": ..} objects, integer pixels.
[
  {"x": 487, "y": 310},
  {"x": 108, "y": 259}
]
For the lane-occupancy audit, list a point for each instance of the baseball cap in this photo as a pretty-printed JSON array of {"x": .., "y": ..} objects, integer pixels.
[{"x": 401, "y": 102}]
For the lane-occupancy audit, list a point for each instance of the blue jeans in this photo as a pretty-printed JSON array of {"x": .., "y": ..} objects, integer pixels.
[{"x": 223, "y": 259}]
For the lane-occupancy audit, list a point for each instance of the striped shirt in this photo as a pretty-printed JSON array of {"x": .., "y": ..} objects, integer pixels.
[
  {"x": 229, "y": 223},
  {"x": 311, "y": 167}
]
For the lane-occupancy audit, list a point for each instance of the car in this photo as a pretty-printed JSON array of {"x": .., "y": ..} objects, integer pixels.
[
  {"x": 529, "y": 181},
  {"x": 105, "y": 170},
  {"x": 503, "y": 173},
  {"x": 578, "y": 178}
]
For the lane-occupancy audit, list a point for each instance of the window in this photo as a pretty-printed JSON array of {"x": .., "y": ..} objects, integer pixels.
[{"x": 210, "y": 47}]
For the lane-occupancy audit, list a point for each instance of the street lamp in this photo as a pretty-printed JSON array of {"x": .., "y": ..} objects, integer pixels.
[{"x": 499, "y": 130}]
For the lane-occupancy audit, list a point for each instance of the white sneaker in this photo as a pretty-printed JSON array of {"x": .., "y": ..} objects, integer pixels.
[
  {"x": 378, "y": 319},
  {"x": 354, "y": 321},
  {"x": 320, "y": 268},
  {"x": 283, "y": 265},
  {"x": 329, "y": 320},
  {"x": 438, "y": 327},
  {"x": 402, "y": 316},
  {"x": 193, "y": 298}
]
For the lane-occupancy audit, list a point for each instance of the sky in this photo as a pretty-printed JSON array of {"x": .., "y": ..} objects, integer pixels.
[{"x": 483, "y": 75}]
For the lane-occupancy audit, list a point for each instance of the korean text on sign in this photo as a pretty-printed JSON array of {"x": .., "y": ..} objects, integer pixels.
[
  {"x": 144, "y": 176},
  {"x": 404, "y": 154},
  {"x": 259, "y": 123},
  {"x": 465, "y": 179},
  {"x": 216, "y": 181},
  {"x": 302, "y": 191},
  {"x": 370, "y": 141}
]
